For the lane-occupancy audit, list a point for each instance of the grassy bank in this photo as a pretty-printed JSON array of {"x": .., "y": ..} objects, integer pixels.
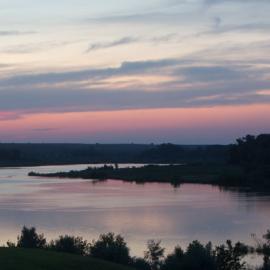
[{"x": 32, "y": 259}]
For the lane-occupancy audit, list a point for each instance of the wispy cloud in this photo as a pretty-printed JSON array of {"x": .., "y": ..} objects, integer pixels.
[
  {"x": 16, "y": 33},
  {"x": 28, "y": 48},
  {"x": 243, "y": 28},
  {"x": 141, "y": 18},
  {"x": 126, "y": 68},
  {"x": 212, "y": 70},
  {"x": 43, "y": 129},
  {"x": 82, "y": 100},
  {"x": 130, "y": 40},
  {"x": 164, "y": 38},
  {"x": 106, "y": 45},
  {"x": 215, "y": 2},
  {"x": 190, "y": 85}
]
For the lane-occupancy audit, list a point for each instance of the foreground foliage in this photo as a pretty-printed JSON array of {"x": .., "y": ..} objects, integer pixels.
[
  {"x": 30, "y": 239},
  {"x": 113, "y": 248},
  {"x": 37, "y": 259},
  {"x": 110, "y": 247}
]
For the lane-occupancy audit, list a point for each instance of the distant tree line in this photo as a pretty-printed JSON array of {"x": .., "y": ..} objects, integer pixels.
[
  {"x": 248, "y": 165},
  {"x": 113, "y": 248},
  {"x": 50, "y": 154},
  {"x": 171, "y": 153},
  {"x": 248, "y": 151},
  {"x": 11, "y": 154}
]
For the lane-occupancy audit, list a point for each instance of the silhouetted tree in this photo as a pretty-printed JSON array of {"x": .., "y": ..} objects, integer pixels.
[
  {"x": 30, "y": 239},
  {"x": 140, "y": 264},
  {"x": 69, "y": 244},
  {"x": 263, "y": 248},
  {"x": 251, "y": 151},
  {"x": 199, "y": 257},
  {"x": 154, "y": 254},
  {"x": 110, "y": 247},
  {"x": 174, "y": 261},
  {"x": 11, "y": 244},
  {"x": 229, "y": 257}
]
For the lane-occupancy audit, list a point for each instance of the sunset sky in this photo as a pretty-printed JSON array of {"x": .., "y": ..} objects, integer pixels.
[{"x": 122, "y": 71}]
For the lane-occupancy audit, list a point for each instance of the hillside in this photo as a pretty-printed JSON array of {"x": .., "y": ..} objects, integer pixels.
[{"x": 27, "y": 259}]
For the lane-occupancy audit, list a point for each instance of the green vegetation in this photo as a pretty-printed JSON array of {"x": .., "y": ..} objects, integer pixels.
[
  {"x": 110, "y": 247},
  {"x": 110, "y": 251},
  {"x": 54, "y": 154},
  {"x": 252, "y": 155},
  {"x": 248, "y": 166},
  {"x": 30, "y": 239},
  {"x": 154, "y": 254},
  {"x": 34, "y": 259},
  {"x": 69, "y": 244},
  {"x": 193, "y": 173},
  {"x": 216, "y": 174}
]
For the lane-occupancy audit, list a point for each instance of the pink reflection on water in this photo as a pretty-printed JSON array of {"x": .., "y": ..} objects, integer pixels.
[{"x": 139, "y": 212}]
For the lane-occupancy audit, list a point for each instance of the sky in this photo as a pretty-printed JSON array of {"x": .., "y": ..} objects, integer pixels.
[{"x": 129, "y": 71}]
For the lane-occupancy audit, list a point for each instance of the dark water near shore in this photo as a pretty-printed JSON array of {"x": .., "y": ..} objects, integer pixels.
[{"x": 139, "y": 212}]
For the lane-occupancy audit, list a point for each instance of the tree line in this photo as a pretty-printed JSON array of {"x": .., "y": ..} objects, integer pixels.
[
  {"x": 53, "y": 154},
  {"x": 251, "y": 151},
  {"x": 113, "y": 248},
  {"x": 248, "y": 151},
  {"x": 250, "y": 161}
]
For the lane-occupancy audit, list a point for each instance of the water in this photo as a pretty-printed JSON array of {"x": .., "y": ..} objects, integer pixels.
[{"x": 138, "y": 212}]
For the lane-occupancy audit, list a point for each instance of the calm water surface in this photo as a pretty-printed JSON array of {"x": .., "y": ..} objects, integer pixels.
[{"x": 139, "y": 212}]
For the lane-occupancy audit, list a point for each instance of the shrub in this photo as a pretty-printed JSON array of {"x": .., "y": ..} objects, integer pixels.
[
  {"x": 140, "y": 264},
  {"x": 110, "y": 247},
  {"x": 69, "y": 244},
  {"x": 174, "y": 261},
  {"x": 199, "y": 257},
  {"x": 228, "y": 257},
  {"x": 154, "y": 254},
  {"x": 30, "y": 239}
]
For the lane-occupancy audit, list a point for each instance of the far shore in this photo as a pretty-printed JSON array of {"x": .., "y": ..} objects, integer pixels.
[{"x": 222, "y": 175}]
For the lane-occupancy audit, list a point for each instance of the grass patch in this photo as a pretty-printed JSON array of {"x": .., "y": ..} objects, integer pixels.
[{"x": 31, "y": 259}]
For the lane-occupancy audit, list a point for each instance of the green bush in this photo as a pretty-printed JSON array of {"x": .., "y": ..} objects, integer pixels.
[
  {"x": 30, "y": 239},
  {"x": 110, "y": 247},
  {"x": 69, "y": 244}
]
